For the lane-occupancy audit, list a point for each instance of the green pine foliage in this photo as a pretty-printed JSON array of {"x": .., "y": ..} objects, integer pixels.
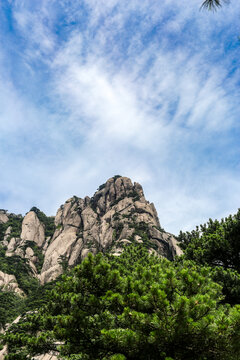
[
  {"x": 135, "y": 306},
  {"x": 19, "y": 267},
  {"x": 10, "y": 307},
  {"x": 15, "y": 221},
  {"x": 37, "y": 252},
  {"x": 217, "y": 245}
]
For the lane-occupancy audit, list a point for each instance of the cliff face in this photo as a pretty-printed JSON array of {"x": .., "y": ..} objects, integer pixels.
[{"x": 117, "y": 214}]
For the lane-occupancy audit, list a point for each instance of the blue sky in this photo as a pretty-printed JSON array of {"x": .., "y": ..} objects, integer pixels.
[{"x": 145, "y": 89}]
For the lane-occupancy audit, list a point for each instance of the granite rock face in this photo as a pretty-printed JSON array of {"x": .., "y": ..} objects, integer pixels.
[
  {"x": 9, "y": 283},
  {"x": 3, "y": 216},
  {"x": 3, "y": 353},
  {"x": 117, "y": 214},
  {"x": 50, "y": 356},
  {"x": 32, "y": 229},
  {"x": 32, "y": 237}
]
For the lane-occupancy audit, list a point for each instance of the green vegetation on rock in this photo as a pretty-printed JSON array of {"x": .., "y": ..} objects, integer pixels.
[
  {"x": 18, "y": 267},
  {"x": 37, "y": 252},
  {"x": 15, "y": 221},
  {"x": 10, "y": 307}
]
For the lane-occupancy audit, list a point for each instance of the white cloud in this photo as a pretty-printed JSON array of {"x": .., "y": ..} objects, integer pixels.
[
  {"x": 36, "y": 32},
  {"x": 153, "y": 110}
]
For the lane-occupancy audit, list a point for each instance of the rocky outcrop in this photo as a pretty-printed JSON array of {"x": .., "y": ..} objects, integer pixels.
[
  {"x": 9, "y": 283},
  {"x": 117, "y": 214},
  {"x": 3, "y": 353},
  {"x": 31, "y": 239},
  {"x": 32, "y": 229},
  {"x": 3, "y": 216},
  {"x": 50, "y": 356},
  {"x": 7, "y": 234}
]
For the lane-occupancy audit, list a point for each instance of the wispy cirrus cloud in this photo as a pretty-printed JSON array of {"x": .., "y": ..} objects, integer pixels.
[{"x": 149, "y": 91}]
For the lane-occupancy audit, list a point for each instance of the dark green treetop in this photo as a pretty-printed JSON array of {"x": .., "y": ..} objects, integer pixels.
[
  {"x": 135, "y": 306},
  {"x": 217, "y": 245}
]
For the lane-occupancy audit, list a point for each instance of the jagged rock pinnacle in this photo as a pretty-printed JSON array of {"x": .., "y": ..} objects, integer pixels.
[{"x": 116, "y": 215}]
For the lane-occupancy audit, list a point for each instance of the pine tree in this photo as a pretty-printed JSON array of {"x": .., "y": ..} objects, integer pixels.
[
  {"x": 217, "y": 245},
  {"x": 135, "y": 306}
]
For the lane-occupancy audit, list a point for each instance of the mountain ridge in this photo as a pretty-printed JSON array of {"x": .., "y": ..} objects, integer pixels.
[
  {"x": 121, "y": 287},
  {"x": 117, "y": 214}
]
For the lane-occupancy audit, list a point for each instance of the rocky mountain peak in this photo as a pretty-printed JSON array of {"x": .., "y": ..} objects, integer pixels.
[
  {"x": 117, "y": 214},
  {"x": 114, "y": 190}
]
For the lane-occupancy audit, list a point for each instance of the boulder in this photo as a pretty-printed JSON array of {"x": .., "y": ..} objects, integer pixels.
[{"x": 9, "y": 283}]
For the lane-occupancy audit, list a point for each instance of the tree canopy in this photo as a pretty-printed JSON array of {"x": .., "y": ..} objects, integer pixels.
[
  {"x": 217, "y": 245},
  {"x": 135, "y": 306}
]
